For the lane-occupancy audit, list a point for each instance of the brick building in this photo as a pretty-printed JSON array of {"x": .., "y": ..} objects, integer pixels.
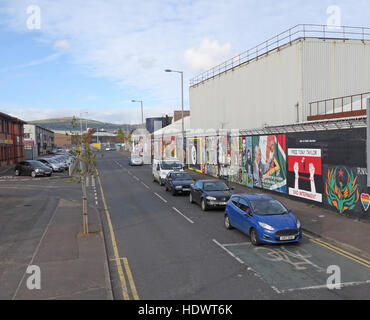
[{"x": 11, "y": 140}]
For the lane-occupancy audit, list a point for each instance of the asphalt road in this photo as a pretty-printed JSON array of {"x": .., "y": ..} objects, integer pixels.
[{"x": 162, "y": 247}]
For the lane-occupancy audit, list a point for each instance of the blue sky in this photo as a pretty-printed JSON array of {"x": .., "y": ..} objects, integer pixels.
[{"x": 96, "y": 56}]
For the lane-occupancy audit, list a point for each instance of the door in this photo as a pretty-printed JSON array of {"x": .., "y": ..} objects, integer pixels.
[
  {"x": 245, "y": 220},
  {"x": 233, "y": 212},
  {"x": 198, "y": 191},
  {"x": 27, "y": 168}
]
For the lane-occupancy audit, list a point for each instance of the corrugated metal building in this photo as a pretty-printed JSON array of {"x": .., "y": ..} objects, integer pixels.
[{"x": 274, "y": 83}]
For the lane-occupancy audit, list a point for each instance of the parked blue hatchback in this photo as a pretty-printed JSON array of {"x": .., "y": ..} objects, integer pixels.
[{"x": 263, "y": 218}]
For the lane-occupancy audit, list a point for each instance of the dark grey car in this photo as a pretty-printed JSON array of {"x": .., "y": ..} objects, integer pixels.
[{"x": 32, "y": 168}]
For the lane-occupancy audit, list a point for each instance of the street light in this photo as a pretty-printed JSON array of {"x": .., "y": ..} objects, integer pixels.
[
  {"x": 142, "y": 112},
  {"x": 182, "y": 108}
]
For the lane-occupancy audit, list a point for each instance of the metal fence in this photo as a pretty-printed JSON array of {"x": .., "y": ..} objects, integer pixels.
[
  {"x": 339, "y": 105},
  {"x": 286, "y": 37}
]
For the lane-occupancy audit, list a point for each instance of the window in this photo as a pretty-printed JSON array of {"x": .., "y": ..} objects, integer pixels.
[
  {"x": 181, "y": 176},
  {"x": 268, "y": 207},
  {"x": 243, "y": 205},
  {"x": 235, "y": 201},
  {"x": 215, "y": 186},
  {"x": 199, "y": 185}
]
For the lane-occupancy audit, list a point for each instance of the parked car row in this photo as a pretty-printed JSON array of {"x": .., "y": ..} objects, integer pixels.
[
  {"x": 58, "y": 162},
  {"x": 263, "y": 218}
]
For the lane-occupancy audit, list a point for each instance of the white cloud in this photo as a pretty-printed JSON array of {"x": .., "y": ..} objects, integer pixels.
[
  {"x": 62, "y": 45},
  {"x": 33, "y": 63},
  {"x": 207, "y": 55},
  {"x": 131, "y": 42}
]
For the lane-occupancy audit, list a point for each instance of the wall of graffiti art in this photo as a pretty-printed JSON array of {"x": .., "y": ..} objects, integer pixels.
[
  {"x": 331, "y": 170},
  {"x": 326, "y": 168}
]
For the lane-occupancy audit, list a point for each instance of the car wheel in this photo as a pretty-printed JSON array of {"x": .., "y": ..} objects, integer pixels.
[
  {"x": 173, "y": 192},
  {"x": 17, "y": 173},
  {"x": 191, "y": 198},
  {"x": 228, "y": 225},
  {"x": 33, "y": 174},
  {"x": 254, "y": 237},
  {"x": 204, "y": 205},
  {"x": 166, "y": 188}
]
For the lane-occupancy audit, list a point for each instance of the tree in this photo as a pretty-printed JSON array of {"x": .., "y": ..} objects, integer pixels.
[
  {"x": 120, "y": 136},
  {"x": 84, "y": 167}
]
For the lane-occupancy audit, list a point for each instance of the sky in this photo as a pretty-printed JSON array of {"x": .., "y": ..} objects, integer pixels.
[{"x": 60, "y": 58}]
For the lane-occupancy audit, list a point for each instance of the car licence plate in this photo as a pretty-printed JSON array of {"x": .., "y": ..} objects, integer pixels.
[
  {"x": 287, "y": 238},
  {"x": 186, "y": 189}
]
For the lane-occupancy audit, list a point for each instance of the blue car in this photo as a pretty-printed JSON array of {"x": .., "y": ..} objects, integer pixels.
[{"x": 263, "y": 218}]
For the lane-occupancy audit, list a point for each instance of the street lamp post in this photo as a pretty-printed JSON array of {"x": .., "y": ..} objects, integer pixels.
[
  {"x": 182, "y": 110},
  {"x": 142, "y": 110}
]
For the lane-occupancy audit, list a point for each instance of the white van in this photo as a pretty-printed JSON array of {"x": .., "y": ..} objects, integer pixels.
[{"x": 162, "y": 167}]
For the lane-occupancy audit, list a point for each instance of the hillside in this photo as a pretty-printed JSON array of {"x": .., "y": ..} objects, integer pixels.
[{"x": 65, "y": 124}]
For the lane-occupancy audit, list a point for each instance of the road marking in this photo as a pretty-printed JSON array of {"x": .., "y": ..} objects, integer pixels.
[
  {"x": 164, "y": 200},
  {"x": 114, "y": 244},
  {"x": 130, "y": 279},
  {"x": 146, "y": 186},
  {"x": 136, "y": 178},
  {"x": 340, "y": 251},
  {"x": 237, "y": 244},
  {"x": 325, "y": 286},
  {"x": 228, "y": 251},
  {"x": 118, "y": 163},
  {"x": 129, "y": 276},
  {"x": 191, "y": 221}
]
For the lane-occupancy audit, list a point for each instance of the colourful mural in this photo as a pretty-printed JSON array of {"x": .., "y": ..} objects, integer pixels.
[
  {"x": 304, "y": 167},
  {"x": 269, "y": 162},
  {"x": 310, "y": 166},
  {"x": 342, "y": 189},
  {"x": 169, "y": 147}
]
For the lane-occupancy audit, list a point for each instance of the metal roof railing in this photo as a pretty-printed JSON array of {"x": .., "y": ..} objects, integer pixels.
[{"x": 286, "y": 37}]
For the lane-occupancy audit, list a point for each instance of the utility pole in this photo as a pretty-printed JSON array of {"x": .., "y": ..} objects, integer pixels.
[{"x": 182, "y": 112}]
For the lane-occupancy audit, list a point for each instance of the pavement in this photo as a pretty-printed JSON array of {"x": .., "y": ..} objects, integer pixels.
[
  {"x": 342, "y": 231},
  {"x": 7, "y": 170},
  {"x": 41, "y": 224}
]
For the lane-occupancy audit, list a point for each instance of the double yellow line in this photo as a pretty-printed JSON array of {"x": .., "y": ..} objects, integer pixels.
[
  {"x": 340, "y": 251},
  {"x": 117, "y": 259}
]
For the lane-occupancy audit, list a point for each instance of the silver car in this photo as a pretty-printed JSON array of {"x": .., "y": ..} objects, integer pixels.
[
  {"x": 135, "y": 160},
  {"x": 55, "y": 165}
]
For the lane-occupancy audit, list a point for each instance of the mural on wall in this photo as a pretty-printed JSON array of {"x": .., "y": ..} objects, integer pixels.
[
  {"x": 210, "y": 166},
  {"x": 235, "y": 155},
  {"x": 169, "y": 147},
  {"x": 269, "y": 162},
  {"x": 342, "y": 189},
  {"x": 157, "y": 147},
  {"x": 194, "y": 154},
  {"x": 224, "y": 156},
  {"x": 247, "y": 161},
  {"x": 305, "y": 173}
]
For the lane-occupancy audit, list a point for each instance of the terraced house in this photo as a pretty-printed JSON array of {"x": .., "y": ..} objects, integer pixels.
[{"x": 11, "y": 140}]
